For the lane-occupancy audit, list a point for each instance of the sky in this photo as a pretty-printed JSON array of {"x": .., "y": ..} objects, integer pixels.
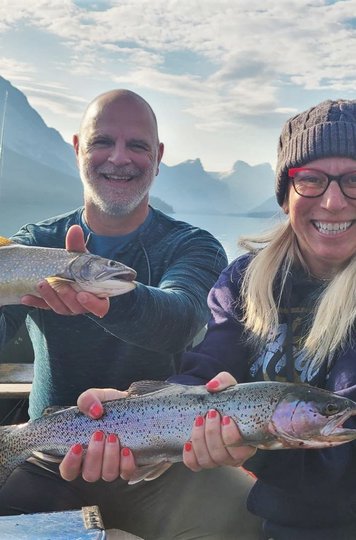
[{"x": 222, "y": 75}]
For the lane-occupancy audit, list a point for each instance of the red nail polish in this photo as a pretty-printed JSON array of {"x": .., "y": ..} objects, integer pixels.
[
  {"x": 98, "y": 436},
  {"x": 126, "y": 452},
  {"x": 199, "y": 421},
  {"x": 225, "y": 420},
  {"x": 96, "y": 410},
  {"x": 77, "y": 449},
  {"x": 212, "y": 414},
  {"x": 188, "y": 446},
  {"x": 213, "y": 384},
  {"x": 111, "y": 438}
]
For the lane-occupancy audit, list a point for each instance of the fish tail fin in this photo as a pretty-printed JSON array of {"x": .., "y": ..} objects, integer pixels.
[{"x": 8, "y": 453}]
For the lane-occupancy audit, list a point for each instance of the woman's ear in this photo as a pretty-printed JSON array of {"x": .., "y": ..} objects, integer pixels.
[{"x": 285, "y": 207}]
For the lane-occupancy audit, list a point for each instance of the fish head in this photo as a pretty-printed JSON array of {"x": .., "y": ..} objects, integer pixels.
[
  {"x": 311, "y": 417},
  {"x": 103, "y": 277}
]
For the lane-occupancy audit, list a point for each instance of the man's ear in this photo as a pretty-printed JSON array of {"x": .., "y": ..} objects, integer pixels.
[
  {"x": 76, "y": 144},
  {"x": 159, "y": 156}
]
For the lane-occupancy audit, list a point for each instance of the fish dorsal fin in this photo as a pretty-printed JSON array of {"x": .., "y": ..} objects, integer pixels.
[
  {"x": 55, "y": 408},
  {"x": 140, "y": 388},
  {"x": 5, "y": 241}
]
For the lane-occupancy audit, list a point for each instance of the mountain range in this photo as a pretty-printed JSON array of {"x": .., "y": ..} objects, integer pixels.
[{"x": 39, "y": 176}]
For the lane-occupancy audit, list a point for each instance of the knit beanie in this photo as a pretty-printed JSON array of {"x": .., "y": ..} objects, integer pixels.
[{"x": 327, "y": 130}]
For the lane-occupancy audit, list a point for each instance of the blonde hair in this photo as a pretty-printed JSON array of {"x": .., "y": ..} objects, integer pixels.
[{"x": 334, "y": 314}]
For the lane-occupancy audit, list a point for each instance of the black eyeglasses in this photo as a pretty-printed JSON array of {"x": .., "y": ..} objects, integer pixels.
[{"x": 312, "y": 183}]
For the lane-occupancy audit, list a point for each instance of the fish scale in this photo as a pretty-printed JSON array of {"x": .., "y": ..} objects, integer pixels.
[{"x": 156, "y": 419}]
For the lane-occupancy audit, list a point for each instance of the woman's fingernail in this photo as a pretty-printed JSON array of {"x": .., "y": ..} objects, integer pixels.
[
  {"x": 213, "y": 384},
  {"x": 77, "y": 449},
  {"x": 225, "y": 420},
  {"x": 111, "y": 438},
  {"x": 96, "y": 410},
  {"x": 98, "y": 436},
  {"x": 212, "y": 414},
  {"x": 188, "y": 446},
  {"x": 126, "y": 452},
  {"x": 199, "y": 421}
]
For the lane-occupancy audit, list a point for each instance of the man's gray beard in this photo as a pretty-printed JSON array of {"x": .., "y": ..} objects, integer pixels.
[{"x": 112, "y": 208}]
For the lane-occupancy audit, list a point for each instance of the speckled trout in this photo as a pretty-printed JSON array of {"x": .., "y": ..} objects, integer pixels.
[
  {"x": 156, "y": 419},
  {"x": 22, "y": 267}
]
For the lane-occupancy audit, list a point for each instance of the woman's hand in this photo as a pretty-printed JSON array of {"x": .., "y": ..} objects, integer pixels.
[
  {"x": 65, "y": 300},
  {"x": 104, "y": 457},
  {"x": 212, "y": 436}
]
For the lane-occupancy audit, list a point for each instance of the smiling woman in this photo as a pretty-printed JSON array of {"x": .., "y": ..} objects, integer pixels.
[
  {"x": 285, "y": 311},
  {"x": 322, "y": 211}
]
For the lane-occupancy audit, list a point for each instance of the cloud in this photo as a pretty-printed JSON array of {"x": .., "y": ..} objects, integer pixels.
[
  {"x": 14, "y": 70},
  {"x": 247, "y": 57}
]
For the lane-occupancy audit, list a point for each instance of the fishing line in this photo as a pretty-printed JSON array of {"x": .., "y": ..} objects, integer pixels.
[{"x": 2, "y": 132}]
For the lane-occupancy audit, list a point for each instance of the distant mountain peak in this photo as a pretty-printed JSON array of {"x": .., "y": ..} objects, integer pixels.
[
  {"x": 193, "y": 163},
  {"x": 240, "y": 165},
  {"x": 26, "y": 133}
]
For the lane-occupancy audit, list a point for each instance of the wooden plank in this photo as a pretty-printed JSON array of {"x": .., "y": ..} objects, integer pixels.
[
  {"x": 16, "y": 373},
  {"x": 10, "y": 391}
]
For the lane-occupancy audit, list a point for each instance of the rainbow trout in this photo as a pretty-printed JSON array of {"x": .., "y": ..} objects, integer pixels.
[
  {"x": 156, "y": 419},
  {"x": 22, "y": 267}
]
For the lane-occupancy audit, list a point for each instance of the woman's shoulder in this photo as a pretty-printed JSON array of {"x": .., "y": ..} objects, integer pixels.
[
  {"x": 239, "y": 265},
  {"x": 232, "y": 275}
]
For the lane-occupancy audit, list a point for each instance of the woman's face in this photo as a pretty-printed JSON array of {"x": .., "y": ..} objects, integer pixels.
[{"x": 325, "y": 226}]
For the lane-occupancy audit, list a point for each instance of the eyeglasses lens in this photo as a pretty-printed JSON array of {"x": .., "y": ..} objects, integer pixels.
[{"x": 315, "y": 183}]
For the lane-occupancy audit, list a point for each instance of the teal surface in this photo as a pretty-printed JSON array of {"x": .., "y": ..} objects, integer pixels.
[{"x": 52, "y": 526}]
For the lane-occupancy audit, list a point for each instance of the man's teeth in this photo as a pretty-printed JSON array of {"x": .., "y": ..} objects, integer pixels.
[
  {"x": 332, "y": 228},
  {"x": 116, "y": 177}
]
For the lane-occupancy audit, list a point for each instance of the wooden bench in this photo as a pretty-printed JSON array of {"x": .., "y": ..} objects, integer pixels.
[{"x": 15, "y": 380}]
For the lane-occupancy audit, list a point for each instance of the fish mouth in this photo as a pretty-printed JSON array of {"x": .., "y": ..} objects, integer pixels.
[
  {"x": 120, "y": 275},
  {"x": 335, "y": 427}
]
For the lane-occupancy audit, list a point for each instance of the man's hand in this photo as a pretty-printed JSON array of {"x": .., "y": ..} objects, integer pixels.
[
  {"x": 104, "y": 458},
  {"x": 67, "y": 301},
  {"x": 212, "y": 436}
]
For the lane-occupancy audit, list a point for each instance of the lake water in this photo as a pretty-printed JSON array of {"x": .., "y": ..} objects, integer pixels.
[{"x": 228, "y": 229}]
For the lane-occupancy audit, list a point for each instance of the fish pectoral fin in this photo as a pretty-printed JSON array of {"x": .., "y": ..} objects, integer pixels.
[
  {"x": 50, "y": 455},
  {"x": 57, "y": 282},
  {"x": 149, "y": 472}
]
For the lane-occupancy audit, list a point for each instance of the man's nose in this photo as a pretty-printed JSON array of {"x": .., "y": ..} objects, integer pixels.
[
  {"x": 119, "y": 154},
  {"x": 333, "y": 199}
]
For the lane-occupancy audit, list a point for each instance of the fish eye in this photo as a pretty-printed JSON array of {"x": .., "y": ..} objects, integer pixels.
[
  {"x": 331, "y": 408},
  {"x": 111, "y": 263}
]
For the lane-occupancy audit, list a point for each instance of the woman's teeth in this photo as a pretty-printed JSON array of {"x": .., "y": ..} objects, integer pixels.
[{"x": 332, "y": 228}]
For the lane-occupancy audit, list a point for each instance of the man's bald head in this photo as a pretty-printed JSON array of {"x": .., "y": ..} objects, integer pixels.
[{"x": 110, "y": 98}]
